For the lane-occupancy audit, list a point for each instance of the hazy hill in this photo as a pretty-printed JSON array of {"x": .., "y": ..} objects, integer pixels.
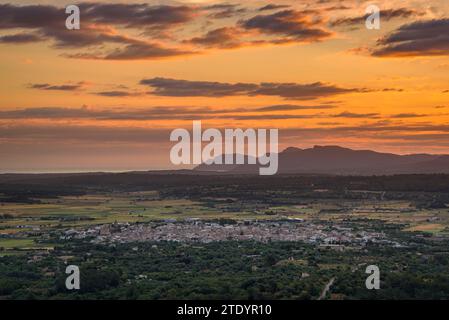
[{"x": 338, "y": 160}]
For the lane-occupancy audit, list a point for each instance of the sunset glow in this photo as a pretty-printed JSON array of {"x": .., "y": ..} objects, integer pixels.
[{"x": 106, "y": 97}]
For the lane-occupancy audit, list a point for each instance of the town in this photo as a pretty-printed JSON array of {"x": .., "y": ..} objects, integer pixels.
[{"x": 205, "y": 232}]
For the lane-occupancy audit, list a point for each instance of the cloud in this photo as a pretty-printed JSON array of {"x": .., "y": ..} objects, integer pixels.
[
  {"x": 292, "y": 25},
  {"x": 225, "y": 10},
  {"x": 273, "y": 7},
  {"x": 138, "y": 51},
  {"x": 421, "y": 38},
  {"x": 32, "y": 16},
  {"x": 408, "y": 115},
  {"x": 186, "y": 88},
  {"x": 386, "y": 15},
  {"x": 82, "y": 133},
  {"x": 86, "y": 37},
  {"x": 288, "y": 26},
  {"x": 177, "y": 113},
  {"x": 137, "y": 15},
  {"x": 20, "y": 38},
  {"x": 45, "y": 113},
  {"x": 299, "y": 91},
  {"x": 393, "y": 89},
  {"x": 127, "y": 15},
  {"x": 98, "y": 22},
  {"x": 347, "y": 114},
  {"x": 225, "y": 38},
  {"x": 292, "y": 107},
  {"x": 154, "y": 31},
  {"x": 273, "y": 117},
  {"x": 60, "y": 113},
  {"x": 118, "y": 93},
  {"x": 94, "y": 134},
  {"x": 62, "y": 87},
  {"x": 153, "y": 113},
  {"x": 375, "y": 131}
]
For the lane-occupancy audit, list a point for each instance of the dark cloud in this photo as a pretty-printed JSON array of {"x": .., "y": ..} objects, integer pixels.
[
  {"x": 45, "y": 113},
  {"x": 292, "y": 107},
  {"x": 137, "y": 15},
  {"x": 33, "y": 16},
  {"x": 89, "y": 134},
  {"x": 224, "y": 10},
  {"x": 186, "y": 88},
  {"x": 299, "y": 91},
  {"x": 226, "y": 37},
  {"x": 294, "y": 26},
  {"x": 408, "y": 115},
  {"x": 374, "y": 131},
  {"x": 392, "y": 89},
  {"x": 273, "y": 117},
  {"x": 128, "y": 15},
  {"x": 155, "y": 113},
  {"x": 143, "y": 51},
  {"x": 166, "y": 113},
  {"x": 98, "y": 22},
  {"x": 386, "y": 15},
  {"x": 62, "y": 87},
  {"x": 20, "y": 38},
  {"x": 273, "y": 7},
  {"x": 117, "y": 93},
  {"x": 85, "y": 37},
  {"x": 135, "y": 51},
  {"x": 347, "y": 114},
  {"x": 428, "y": 137},
  {"x": 421, "y": 38},
  {"x": 53, "y": 133},
  {"x": 220, "y": 6},
  {"x": 101, "y": 35},
  {"x": 337, "y": 7}
]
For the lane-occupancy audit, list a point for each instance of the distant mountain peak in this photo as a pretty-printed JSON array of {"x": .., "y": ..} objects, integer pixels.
[
  {"x": 331, "y": 148},
  {"x": 338, "y": 160},
  {"x": 291, "y": 149}
]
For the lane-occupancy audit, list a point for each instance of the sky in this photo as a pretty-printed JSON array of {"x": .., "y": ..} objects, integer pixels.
[{"x": 106, "y": 96}]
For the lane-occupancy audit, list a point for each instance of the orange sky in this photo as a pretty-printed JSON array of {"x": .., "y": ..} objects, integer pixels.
[{"x": 106, "y": 97}]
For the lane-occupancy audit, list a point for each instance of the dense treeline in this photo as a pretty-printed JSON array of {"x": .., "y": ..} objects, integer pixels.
[{"x": 242, "y": 186}]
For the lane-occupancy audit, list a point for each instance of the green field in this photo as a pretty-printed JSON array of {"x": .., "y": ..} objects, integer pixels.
[{"x": 93, "y": 209}]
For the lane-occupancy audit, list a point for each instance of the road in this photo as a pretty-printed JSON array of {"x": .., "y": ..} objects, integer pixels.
[{"x": 326, "y": 289}]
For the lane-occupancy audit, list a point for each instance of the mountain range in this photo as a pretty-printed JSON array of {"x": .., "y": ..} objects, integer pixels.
[{"x": 342, "y": 161}]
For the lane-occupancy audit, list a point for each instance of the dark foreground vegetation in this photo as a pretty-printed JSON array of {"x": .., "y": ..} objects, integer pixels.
[
  {"x": 25, "y": 187},
  {"x": 229, "y": 270}
]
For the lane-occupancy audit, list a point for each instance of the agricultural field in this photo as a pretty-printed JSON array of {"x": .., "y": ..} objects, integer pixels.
[
  {"x": 21, "y": 223},
  {"x": 70, "y": 211},
  {"x": 107, "y": 208}
]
